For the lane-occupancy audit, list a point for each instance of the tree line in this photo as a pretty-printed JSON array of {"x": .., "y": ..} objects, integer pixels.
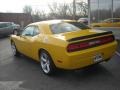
[{"x": 58, "y": 11}]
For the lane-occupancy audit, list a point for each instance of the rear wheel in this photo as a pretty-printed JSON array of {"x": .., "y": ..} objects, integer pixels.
[
  {"x": 46, "y": 63},
  {"x": 14, "y": 49}
]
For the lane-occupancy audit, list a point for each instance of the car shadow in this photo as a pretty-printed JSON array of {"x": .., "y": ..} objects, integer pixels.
[
  {"x": 88, "y": 72},
  {"x": 29, "y": 71},
  {"x": 91, "y": 71}
]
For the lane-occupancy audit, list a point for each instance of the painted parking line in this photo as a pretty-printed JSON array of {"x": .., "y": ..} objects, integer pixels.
[{"x": 117, "y": 53}]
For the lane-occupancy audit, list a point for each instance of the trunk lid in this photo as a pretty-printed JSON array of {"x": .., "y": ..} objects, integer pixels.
[{"x": 84, "y": 34}]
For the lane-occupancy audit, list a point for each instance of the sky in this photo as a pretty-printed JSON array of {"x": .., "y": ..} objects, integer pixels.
[{"x": 17, "y": 5}]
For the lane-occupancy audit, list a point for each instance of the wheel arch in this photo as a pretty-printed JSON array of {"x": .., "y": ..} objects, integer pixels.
[{"x": 42, "y": 49}]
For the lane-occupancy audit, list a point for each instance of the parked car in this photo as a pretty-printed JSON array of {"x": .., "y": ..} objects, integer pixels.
[
  {"x": 65, "y": 44},
  {"x": 111, "y": 22},
  {"x": 7, "y": 28},
  {"x": 83, "y": 20}
]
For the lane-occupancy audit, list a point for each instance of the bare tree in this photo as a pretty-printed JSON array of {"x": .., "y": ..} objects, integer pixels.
[
  {"x": 60, "y": 11},
  {"x": 39, "y": 15},
  {"x": 65, "y": 10},
  {"x": 27, "y": 9},
  {"x": 53, "y": 10},
  {"x": 82, "y": 8}
]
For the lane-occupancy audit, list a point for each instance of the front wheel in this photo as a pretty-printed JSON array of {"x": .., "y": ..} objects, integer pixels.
[
  {"x": 14, "y": 49},
  {"x": 46, "y": 63}
]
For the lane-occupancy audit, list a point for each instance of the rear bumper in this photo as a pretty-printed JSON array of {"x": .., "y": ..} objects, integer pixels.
[{"x": 83, "y": 58}]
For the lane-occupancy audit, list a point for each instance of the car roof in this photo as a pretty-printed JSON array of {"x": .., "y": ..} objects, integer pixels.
[
  {"x": 5, "y": 22},
  {"x": 44, "y": 26},
  {"x": 49, "y": 22}
]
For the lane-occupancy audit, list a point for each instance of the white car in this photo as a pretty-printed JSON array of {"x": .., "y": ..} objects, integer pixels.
[{"x": 83, "y": 20}]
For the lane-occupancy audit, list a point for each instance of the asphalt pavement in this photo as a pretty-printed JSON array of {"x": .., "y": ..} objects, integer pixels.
[{"x": 22, "y": 73}]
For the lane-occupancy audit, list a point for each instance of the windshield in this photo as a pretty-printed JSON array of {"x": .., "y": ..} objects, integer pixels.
[{"x": 67, "y": 27}]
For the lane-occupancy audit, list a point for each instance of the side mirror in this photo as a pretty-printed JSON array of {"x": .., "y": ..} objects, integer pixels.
[{"x": 18, "y": 33}]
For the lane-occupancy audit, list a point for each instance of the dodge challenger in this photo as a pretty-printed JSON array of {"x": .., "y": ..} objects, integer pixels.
[{"x": 63, "y": 44}]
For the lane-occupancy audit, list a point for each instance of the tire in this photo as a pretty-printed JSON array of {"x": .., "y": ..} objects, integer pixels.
[
  {"x": 46, "y": 63},
  {"x": 15, "y": 32},
  {"x": 14, "y": 49}
]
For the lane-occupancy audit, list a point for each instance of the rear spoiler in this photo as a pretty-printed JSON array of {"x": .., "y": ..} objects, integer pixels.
[{"x": 89, "y": 36}]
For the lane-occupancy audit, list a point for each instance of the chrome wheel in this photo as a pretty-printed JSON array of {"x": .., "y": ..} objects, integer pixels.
[
  {"x": 45, "y": 63},
  {"x": 13, "y": 49}
]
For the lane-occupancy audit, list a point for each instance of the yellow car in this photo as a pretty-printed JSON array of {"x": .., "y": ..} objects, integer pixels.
[
  {"x": 112, "y": 22},
  {"x": 63, "y": 44}
]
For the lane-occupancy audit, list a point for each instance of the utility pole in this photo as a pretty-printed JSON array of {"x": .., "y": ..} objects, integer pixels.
[
  {"x": 89, "y": 11},
  {"x": 74, "y": 9},
  {"x": 112, "y": 16}
]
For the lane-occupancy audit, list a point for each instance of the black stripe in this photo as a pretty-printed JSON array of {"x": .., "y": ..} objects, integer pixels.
[{"x": 89, "y": 36}]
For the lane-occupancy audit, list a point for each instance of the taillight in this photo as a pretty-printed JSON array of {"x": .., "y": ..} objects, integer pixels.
[{"x": 89, "y": 43}]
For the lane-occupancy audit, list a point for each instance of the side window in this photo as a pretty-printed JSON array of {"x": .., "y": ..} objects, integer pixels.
[
  {"x": 3, "y": 25},
  {"x": 9, "y": 24},
  {"x": 36, "y": 31},
  {"x": 28, "y": 31}
]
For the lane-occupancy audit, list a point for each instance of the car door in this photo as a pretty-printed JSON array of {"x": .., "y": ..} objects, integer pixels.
[
  {"x": 29, "y": 42},
  {"x": 24, "y": 40},
  {"x": 4, "y": 29},
  {"x": 34, "y": 43},
  {"x": 8, "y": 28}
]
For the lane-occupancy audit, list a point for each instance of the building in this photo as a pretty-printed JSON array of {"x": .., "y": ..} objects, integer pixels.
[
  {"x": 18, "y": 18},
  {"x": 103, "y": 9}
]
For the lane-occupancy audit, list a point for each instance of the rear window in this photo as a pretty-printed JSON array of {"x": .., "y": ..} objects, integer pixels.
[{"x": 67, "y": 27}]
